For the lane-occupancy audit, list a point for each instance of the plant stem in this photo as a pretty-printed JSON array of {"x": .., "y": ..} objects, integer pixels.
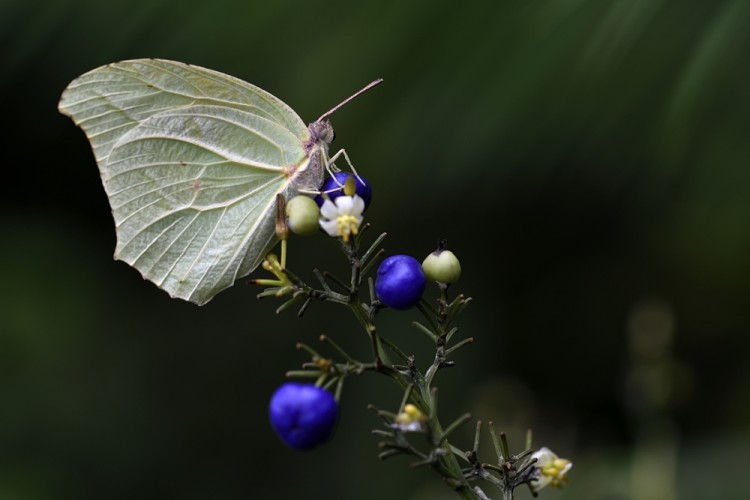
[{"x": 448, "y": 464}]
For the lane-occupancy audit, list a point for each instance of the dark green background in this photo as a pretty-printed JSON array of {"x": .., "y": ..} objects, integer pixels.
[{"x": 586, "y": 159}]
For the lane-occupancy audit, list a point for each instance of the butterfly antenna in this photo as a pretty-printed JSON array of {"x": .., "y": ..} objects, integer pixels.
[{"x": 365, "y": 89}]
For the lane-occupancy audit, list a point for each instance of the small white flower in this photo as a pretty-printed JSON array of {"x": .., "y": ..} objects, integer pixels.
[
  {"x": 551, "y": 469},
  {"x": 409, "y": 420},
  {"x": 415, "y": 426},
  {"x": 342, "y": 216}
]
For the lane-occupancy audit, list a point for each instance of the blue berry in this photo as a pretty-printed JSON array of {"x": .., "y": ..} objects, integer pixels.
[
  {"x": 363, "y": 190},
  {"x": 400, "y": 281},
  {"x": 303, "y": 415}
]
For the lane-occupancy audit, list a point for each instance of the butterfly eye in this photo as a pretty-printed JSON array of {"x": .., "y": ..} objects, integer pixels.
[
  {"x": 321, "y": 131},
  {"x": 326, "y": 132}
]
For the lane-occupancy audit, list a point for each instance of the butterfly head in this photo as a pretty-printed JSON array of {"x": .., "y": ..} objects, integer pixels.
[{"x": 321, "y": 131}]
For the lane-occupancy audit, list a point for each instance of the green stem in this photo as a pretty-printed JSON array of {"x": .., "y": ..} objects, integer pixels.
[
  {"x": 422, "y": 398},
  {"x": 283, "y": 253}
]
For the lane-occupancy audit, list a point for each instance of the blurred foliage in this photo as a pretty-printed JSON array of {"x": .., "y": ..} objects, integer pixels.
[{"x": 586, "y": 159}]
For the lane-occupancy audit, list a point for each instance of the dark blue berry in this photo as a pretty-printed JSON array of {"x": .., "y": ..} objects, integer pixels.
[
  {"x": 303, "y": 415},
  {"x": 363, "y": 190},
  {"x": 400, "y": 281}
]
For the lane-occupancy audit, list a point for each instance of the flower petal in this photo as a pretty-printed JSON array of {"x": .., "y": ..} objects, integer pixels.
[
  {"x": 328, "y": 210},
  {"x": 350, "y": 205},
  {"x": 566, "y": 469},
  {"x": 540, "y": 481},
  {"x": 344, "y": 204},
  {"x": 358, "y": 206},
  {"x": 330, "y": 226},
  {"x": 544, "y": 457}
]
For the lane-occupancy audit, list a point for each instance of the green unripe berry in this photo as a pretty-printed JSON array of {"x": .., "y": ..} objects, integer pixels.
[
  {"x": 302, "y": 215},
  {"x": 442, "y": 266}
]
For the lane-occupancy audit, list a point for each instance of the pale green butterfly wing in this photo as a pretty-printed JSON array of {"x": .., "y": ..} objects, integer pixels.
[
  {"x": 192, "y": 193},
  {"x": 191, "y": 161},
  {"x": 109, "y": 101}
]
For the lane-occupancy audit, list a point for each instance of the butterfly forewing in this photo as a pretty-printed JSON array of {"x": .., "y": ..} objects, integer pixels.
[
  {"x": 191, "y": 161},
  {"x": 109, "y": 101}
]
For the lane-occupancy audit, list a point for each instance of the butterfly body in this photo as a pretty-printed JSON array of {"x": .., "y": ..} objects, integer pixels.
[{"x": 192, "y": 161}]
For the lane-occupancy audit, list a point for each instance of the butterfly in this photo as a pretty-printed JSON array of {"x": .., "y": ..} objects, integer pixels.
[{"x": 192, "y": 161}]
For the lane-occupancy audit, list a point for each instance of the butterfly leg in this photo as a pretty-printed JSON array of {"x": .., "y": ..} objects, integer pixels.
[
  {"x": 330, "y": 166},
  {"x": 332, "y": 169}
]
